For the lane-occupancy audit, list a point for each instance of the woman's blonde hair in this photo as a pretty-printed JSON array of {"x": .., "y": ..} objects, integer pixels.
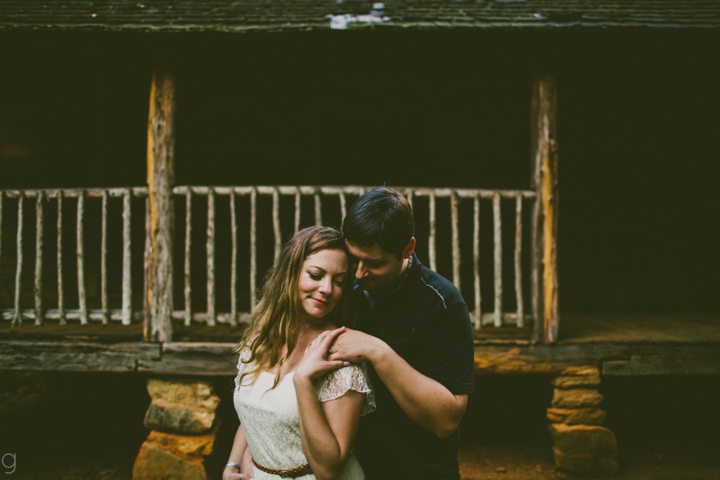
[{"x": 276, "y": 318}]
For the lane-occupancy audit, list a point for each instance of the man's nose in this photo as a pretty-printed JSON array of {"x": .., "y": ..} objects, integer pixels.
[{"x": 360, "y": 271}]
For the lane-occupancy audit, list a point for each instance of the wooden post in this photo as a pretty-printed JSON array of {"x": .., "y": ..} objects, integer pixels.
[
  {"x": 545, "y": 214},
  {"x": 160, "y": 179}
]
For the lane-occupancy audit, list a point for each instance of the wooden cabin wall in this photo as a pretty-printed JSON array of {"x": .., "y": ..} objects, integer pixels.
[{"x": 638, "y": 143}]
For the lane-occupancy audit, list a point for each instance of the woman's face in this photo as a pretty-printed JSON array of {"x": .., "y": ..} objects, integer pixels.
[{"x": 322, "y": 278}]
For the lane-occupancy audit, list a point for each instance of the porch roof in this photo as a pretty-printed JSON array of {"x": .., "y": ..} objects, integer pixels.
[{"x": 289, "y": 15}]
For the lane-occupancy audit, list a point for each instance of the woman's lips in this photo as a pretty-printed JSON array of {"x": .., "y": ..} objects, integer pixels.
[{"x": 319, "y": 302}]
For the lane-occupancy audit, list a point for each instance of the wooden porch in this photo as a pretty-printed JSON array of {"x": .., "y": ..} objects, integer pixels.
[{"x": 621, "y": 344}]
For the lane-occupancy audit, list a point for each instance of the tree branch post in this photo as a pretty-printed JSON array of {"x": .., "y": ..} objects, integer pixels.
[
  {"x": 545, "y": 214},
  {"x": 160, "y": 179}
]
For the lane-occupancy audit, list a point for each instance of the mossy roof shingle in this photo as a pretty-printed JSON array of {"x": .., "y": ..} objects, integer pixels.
[{"x": 259, "y": 15}]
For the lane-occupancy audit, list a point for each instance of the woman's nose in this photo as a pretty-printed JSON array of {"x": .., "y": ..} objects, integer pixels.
[{"x": 325, "y": 285}]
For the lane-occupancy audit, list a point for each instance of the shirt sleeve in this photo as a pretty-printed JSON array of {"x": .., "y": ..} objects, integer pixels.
[
  {"x": 449, "y": 351},
  {"x": 338, "y": 382}
]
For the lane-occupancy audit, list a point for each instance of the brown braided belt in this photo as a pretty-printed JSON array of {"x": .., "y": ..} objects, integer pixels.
[{"x": 289, "y": 473}]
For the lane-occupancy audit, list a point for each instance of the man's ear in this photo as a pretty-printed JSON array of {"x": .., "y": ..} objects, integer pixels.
[{"x": 409, "y": 248}]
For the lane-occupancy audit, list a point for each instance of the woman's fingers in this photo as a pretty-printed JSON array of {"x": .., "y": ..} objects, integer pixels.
[{"x": 330, "y": 337}]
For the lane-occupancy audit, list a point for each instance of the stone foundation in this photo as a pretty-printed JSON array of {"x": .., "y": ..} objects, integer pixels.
[
  {"x": 183, "y": 423},
  {"x": 581, "y": 444}
]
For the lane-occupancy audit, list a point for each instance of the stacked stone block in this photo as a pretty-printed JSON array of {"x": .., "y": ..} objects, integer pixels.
[
  {"x": 183, "y": 423},
  {"x": 581, "y": 444}
]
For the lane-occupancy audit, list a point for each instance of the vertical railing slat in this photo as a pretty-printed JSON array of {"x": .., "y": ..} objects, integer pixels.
[
  {"x": 210, "y": 250},
  {"x": 476, "y": 260},
  {"x": 253, "y": 245},
  {"x": 535, "y": 274},
  {"x": 80, "y": 253},
  {"x": 297, "y": 209},
  {"x": 518, "y": 262},
  {"x": 276, "y": 222},
  {"x": 318, "y": 207},
  {"x": 186, "y": 267},
  {"x": 455, "y": 239},
  {"x": 431, "y": 239},
  {"x": 103, "y": 260},
  {"x": 127, "y": 261},
  {"x": 497, "y": 239},
  {"x": 61, "y": 295},
  {"x": 38, "y": 258},
  {"x": 343, "y": 205},
  {"x": 147, "y": 321},
  {"x": 233, "y": 262},
  {"x": 17, "y": 316},
  {"x": 1, "y": 205}
]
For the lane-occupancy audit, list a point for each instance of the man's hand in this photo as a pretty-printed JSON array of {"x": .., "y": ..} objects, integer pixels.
[{"x": 356, "y": 347}]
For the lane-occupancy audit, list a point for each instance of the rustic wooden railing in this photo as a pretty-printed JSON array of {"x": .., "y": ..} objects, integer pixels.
[
  {"x": 320, "y": 195},
  {"x": 61, "y": 313}
]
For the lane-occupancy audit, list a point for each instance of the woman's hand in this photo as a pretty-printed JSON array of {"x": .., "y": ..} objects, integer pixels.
[
  {"x": 231, "y": 473},
  {"x": 240, "y": 455},
  {"x": 315, "y": 363}
]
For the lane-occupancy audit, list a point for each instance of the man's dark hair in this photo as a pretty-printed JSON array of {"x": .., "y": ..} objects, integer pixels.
[{"x": 382, "y": 217}]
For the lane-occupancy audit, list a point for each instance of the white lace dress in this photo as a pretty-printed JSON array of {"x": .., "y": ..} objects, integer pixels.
[{"x": 269, "y": 417}]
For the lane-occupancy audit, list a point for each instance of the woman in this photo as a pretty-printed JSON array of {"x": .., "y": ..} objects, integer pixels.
[{"x": 299, "y": 411}]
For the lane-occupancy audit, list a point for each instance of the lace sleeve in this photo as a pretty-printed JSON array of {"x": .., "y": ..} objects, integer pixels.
[{"x": 337, "y": 383}]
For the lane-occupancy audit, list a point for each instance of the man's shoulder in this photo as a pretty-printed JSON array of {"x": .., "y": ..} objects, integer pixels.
[{"x": 435, "y": 284}]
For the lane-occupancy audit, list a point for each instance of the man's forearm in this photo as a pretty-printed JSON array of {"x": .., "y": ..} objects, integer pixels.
[{"x": 426, "y": 401}]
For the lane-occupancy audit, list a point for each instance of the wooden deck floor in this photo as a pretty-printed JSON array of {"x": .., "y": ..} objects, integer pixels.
[
  {"x": 579, "y": 328},
  {"x": 575, "y": 328}
]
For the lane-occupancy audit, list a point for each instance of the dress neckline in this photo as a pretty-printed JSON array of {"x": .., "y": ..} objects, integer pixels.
[{"x": 281, "y": 376}]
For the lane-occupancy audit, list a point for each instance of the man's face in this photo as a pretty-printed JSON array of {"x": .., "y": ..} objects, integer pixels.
[{"x": 374, "y": 267}]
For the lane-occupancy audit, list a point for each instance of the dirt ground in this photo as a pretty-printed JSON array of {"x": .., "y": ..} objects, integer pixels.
[
  {"x": 535, "y": 463},
  {"x": 477, "y": 463},
  {"x": 89, "y": 427}
]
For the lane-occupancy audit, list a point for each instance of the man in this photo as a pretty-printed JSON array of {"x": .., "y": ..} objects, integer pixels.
[{"x": 413, "y": 327}]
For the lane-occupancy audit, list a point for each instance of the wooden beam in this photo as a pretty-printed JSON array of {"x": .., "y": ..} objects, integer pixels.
[
  {"x": 542, "y": 358},
  {"x": 667, "y": 360},
  {"x": 210, "y": 358},
  {"x": 160, "y": 179},
  {"x": 75, "y": 356},
  {"x": 193, "y": 358},
  {"x": 545, "y": 218}
]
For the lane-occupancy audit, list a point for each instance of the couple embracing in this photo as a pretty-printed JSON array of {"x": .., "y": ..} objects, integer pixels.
[{"x": 352, "y": 325}]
